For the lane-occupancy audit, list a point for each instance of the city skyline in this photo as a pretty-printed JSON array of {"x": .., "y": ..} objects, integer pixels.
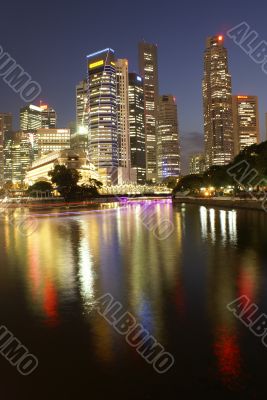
[
  {"x": 113, "y": 149},
  {"x": 58, "y": 79},
  {"x": 133, "y": 200}
]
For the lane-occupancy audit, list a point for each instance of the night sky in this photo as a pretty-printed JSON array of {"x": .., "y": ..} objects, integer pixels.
[{"x": 50, "y": 39}]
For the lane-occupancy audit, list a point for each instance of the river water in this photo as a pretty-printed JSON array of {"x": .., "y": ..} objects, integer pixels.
[{"x": 176, "y": 283}]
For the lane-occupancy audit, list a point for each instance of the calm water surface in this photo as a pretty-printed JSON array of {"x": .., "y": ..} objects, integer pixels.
[{"x": 178, "y": 288}]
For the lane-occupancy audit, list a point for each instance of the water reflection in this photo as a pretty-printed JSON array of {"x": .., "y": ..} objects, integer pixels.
[
  {"x": 222, "y": 220},
  {"x": 175, "y": 287}
]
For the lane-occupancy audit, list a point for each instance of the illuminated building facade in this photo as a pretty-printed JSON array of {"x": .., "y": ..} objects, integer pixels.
[
  {"x": 48, "y": 117},
  {"x": 197, "y": 164},
  {"x": 102, "y": 119},
  {"x": 123, "y": 119},
  {"x": 30, "y": 118},
  {"x": 148, "y": 68},
  {"x": 137, "y": 127},
  {"x": 168, "y": 138},
  {"x": 33, "y": 117},
  {"x": 6, "y": 120},
  {"x": 49, "y": 140},
  {"x": 217, "y": 104},
  {"x": 246, "y": 122},
  {"x": 71, "y": 159},
  {"x": 79, "y": 139},
  {"x": 17, "y": 156},
  {"x": 82, "y": 105}
]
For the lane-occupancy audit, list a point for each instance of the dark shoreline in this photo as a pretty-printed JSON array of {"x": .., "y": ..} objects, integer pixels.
[{"x": 251, "y": 204}]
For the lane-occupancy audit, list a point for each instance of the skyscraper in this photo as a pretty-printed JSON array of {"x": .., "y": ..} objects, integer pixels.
[
  {"x": 246, "y": 122},
  {"x": 30, "y": 118},
  {"x": 5, "y": 126},
  {"x": 197, "y": 164},
  {"x": 33, "y": 117},
  {"x": 168, "y": 138},
  {"x": 137, "y": 127},
  {"x": 81, "y": 106},
  {"x": 102, "y": 119},
  {"x": 217, "y": 102},
  {"x": 50, "y": 140},
  {"x": 48, "y": 117},
  {"x": 79, "y": 138},
  {"x": 123, "y": 120},
  {"x": 148, "y": 68},
  {"x": 17, "y": 156}
]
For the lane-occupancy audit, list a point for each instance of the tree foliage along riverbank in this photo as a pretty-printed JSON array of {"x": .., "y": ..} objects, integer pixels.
[
  {"x": 65, "y": 181},
  {"x": 247, "y": 170}
]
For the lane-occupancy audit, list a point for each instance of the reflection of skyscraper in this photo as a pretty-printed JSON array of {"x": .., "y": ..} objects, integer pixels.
[
  {"x": 5, "y": 126},
  {"x": 246, "y": 122},
  {"x": 148, "y": 68},
  {"x": 168, "y": 138},
  {"x": 137, "y": 126},
  {"x": 123, "y": 119},
  {"x": 102, "y": 121},
  {"x": 217, "y": 101}
]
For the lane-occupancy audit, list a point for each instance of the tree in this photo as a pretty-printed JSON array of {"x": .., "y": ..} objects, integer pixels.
[
  {"x": 86, "y": 191},
  {"x": 189, "y": 182},
  {"x": 41, "y": 186},
  {"x": 249, "y": 167},
  {"x": 170, "y": 181},
  {"x": 247, "y": 170},
  {"x": 95, "y": 183},
  {"x": 5, "y": 190},
  {"x": 217, "y": 177},
  {"x": 65, "y": 178}
]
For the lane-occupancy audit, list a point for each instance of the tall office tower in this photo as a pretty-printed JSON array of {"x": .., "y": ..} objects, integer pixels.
[
  {"x": 82, "y": 106},
  {"x": 5, "y": 126},
  {"x": 123, "y": 120},
  {"x": 168, "y": 138},
  {"x": 79, "y": 139},
  {"x": 217, "y": 102},
  {"x": 197, "y": 164},
  {"x": 246, "y": 122},
  {"x": 48, "y": 117},
  {"x": 49, "y": 140},
  {"x": 102, "y": 120},
  {"x": 30, "y": 118},
  {"x": 17, "y": 156},
  {"x": 137, "y": 127},
  {"x": 148, "y": 68}
]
